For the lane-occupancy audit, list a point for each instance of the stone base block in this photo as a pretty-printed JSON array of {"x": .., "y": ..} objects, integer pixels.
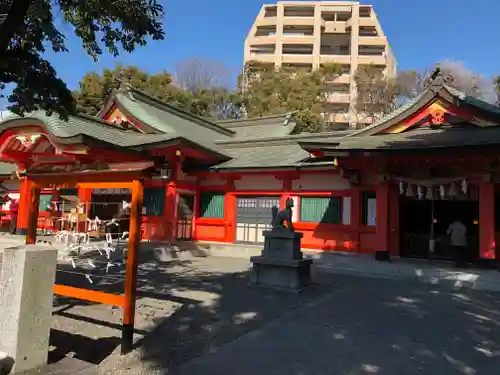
[{"x": 292, "y": 275}]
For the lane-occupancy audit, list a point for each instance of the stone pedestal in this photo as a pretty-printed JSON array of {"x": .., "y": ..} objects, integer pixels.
[
  {"x": 281, "y": 264},
  {"x": 27, "y": 276}
]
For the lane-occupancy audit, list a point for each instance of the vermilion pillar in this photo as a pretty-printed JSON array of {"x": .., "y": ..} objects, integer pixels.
[
  {"x": 487, "y": 220},
  {"x": 85, "y": 197},
  {"x": 394, "y": 235},
  {"x": 230, "y": 211},
  {"x": 33, "y": 204},
  {"x": 356, "y": 217},
  {"x": 170, "y": 211},
  {"x": 382, "y": 221},
  {"x": 24, "y": 206}
]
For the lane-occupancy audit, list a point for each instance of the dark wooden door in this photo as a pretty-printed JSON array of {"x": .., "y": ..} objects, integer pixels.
[{"x": 185, "y": 218}]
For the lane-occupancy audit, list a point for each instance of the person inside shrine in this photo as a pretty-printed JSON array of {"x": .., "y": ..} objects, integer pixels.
[
  {"x": 14, "y": 208},
  {"x": 458, "y": 236}
]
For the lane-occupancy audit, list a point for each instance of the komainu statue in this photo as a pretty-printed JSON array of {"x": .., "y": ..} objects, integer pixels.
[{"x": 280, "y": 218}]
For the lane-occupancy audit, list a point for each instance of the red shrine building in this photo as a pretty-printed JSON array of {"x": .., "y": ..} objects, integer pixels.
[{"x": 391, "y": 188}]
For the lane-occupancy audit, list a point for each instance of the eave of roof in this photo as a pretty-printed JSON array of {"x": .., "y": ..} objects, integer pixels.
[
  {"x": 78, "y": 129},
  {"x": 417, "y": 140}
]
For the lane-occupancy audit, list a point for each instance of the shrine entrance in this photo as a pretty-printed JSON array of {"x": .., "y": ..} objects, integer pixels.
[{"x": 424, "y": 221}]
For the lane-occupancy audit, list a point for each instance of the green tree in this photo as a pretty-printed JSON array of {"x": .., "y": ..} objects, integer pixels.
[
  {"x": 266, "y": 91},
  {"x": 94, "y": 88},
  {"x": 214, "y": 103},
  {"x": 28, "y": 28},
  {"x": 377, "y": 94},
  {"x": 207, "y": 82}
]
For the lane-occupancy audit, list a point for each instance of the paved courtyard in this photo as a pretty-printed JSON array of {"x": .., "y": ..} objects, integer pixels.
[
  {"x": 199, "y": 316},
  {"x": 217, "y": 324}
]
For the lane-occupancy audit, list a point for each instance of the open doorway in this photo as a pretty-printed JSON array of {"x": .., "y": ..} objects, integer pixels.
[{"x": 416, "y": 226}]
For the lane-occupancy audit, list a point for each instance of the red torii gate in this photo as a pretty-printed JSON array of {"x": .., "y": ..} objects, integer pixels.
[{"x": 45, "y": 163}]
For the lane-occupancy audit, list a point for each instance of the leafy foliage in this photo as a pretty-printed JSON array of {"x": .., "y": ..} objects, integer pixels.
[
  {"x": 28, "y": 27},
  {"x": 215, "y": 103},
  {"x": 376, "y": 93},
  {"x": 267, "y": 91},
  {"x": 379, "y": 95},
  {"x": 94, "y": 88}
]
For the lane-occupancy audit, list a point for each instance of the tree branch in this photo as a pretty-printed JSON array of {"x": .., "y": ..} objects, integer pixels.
[{"x": 15, "y": 18}]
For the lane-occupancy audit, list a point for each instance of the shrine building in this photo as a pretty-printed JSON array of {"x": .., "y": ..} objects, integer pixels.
[{"x": 391, "y": 188}]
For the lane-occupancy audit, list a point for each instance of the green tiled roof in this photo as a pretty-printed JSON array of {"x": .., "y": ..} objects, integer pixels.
[
  {"x": 276, "y": 152},
  {"x": 261, "y": 127},
  {"x": 264, "y": 157},
  {"x": 76, "y": 126},
  {"x": 481, "y": 104},
  {"x": 422, "y": 139},
  {"x": 170, "y": 123}
]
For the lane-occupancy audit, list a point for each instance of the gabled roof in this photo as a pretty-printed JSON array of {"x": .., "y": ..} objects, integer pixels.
[
  {"x": 261, "y": 127},
  {"x": 79, "y": 128},
  {"x": 444, "y": 91},
  {"x": 165, "y": 120}
]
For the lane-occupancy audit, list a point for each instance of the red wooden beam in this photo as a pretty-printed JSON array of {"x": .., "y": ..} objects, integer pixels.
[{"x": 89, "y": 295}]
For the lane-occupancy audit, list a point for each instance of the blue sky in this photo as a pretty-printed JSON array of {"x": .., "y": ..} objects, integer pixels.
[{"x": 420, "y": 32}]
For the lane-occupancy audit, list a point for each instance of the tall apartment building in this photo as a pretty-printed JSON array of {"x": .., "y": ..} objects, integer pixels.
[{"x": 308, "y": 34}]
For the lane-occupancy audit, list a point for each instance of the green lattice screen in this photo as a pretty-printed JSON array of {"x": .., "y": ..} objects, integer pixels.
[
  {"x": 44, "y": 202},
  {"x": 154, "y": 201},
  {"x": 321, "y": 210},
  {"x": 212, "y": 205}
]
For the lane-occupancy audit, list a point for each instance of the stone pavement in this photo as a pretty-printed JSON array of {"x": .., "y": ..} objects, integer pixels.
[
  {"x": 370, "y": 327},
  {"x": 425, "y": 271},
  {"x": 199, "y": 316}
]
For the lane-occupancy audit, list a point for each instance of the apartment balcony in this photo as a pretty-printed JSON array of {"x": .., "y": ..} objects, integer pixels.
[
  {"x": 298, "y": 39},
  {"x": 339, "y": 59},
  {"x": 339, "y": 97},
  {"x": 299, "y": 21},
  {"x": 372, "y": 41},
  {"x": 262, "y": 57},
  {"x": 266, "y": 21},
  {"x": 342, "y": 79},
  {"x": 263, "y": 40},
  {"x": 297, "y": 59},
  {"x": 367, "y": 21},
  {"x": 372, "y": 59},
  {"x": 335, "y": 27}
]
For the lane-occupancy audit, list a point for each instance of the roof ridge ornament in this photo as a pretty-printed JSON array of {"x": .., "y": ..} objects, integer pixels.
[
  {"x": 437, "y": 80},
  {"x": 122, "y": 84}
]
